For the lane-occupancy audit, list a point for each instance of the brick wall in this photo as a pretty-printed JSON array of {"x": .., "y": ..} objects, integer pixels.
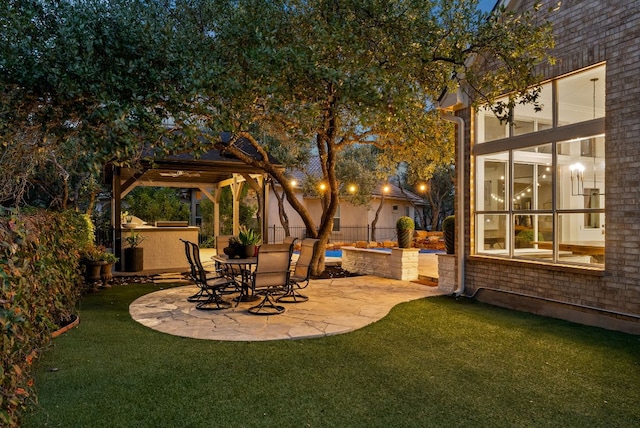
[{"x": 588, "y": 32}]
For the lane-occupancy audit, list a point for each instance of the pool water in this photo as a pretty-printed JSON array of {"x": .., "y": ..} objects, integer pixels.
[{"x": 338, "y": 253}]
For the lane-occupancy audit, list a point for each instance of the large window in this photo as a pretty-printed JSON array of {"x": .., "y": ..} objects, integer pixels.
[{"x": 541, "y": 196}]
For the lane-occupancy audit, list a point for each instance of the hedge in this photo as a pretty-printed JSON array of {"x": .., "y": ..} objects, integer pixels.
[{"x": 41, "y": 283}]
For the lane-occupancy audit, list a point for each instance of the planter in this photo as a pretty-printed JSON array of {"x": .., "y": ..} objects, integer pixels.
[
  {"x": 106, "y": 275},
  {"x": 73, "y": 322},
  {"x": 230, "y": 251},
  {"x": 404, "y": 238},
  {"x": 449, "y": 234},
  {"x": 133, "y": 259},
  {"x": 449, "y": 241},
  {"x": 92, "y": 271},
  {"x": 248, "y": 251}
]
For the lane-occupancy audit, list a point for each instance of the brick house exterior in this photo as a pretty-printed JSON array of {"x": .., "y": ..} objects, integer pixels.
[{"x": 587, "y": 33}]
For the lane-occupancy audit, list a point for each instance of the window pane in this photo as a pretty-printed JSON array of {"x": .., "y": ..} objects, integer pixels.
[
  {"x": 581, "y": 173},
  {"x": 491, "y": 237},
  {"x": 488, "y": 127},
  {"x": 581, "y": 96},
  {"x": 544, "y": 188},
  {"x": 527, "y": 120},
  {"x": 522, "y": 186},
  {"x": 491, "y": 189},
  {"x": 577, "y": 244},
  {"x": 533, "y": 237}
]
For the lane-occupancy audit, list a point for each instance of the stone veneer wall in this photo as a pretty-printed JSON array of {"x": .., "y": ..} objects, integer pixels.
[
  {"x": 401, "y": 263},
  {"x": 447, "y": 273},
  {"x": 586, "y": 33}
]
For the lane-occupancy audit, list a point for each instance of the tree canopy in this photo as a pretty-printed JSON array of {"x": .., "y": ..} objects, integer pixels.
[{"x": 101, "y": 79}]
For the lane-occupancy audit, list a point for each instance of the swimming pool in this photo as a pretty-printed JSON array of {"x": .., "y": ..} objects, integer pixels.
[{"x": 338, "y": 253}]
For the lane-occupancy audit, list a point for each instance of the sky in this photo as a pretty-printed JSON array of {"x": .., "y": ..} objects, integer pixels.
[{"x": 486, "y": 5}]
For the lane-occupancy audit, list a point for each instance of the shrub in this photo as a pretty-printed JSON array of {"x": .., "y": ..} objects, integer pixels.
[
  {"x": 41, "y": 281},
  {"x": 405, "y": 223},
  {"x": 449, "y": 223}
]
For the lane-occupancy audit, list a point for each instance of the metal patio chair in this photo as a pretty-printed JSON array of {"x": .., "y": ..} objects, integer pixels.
[
  {"x": 270, "y": 277},
  {"x": 300, "y": 277},
  {"x": 212, "y": 284}
]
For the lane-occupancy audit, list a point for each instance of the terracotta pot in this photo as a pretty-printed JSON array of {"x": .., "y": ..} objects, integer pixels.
[{"x": 249, "y": 251}]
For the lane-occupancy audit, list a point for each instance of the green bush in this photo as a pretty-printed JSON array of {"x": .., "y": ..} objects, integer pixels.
[
  {"x": 41, "y": 282},
  {"x": 405, "y": 223},
  {"x": 525, "y": 237},
  {"x": 449, "y": 223}
]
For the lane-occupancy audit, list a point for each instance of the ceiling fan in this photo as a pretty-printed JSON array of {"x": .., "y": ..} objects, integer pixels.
[{"x": 180, "y": 173}]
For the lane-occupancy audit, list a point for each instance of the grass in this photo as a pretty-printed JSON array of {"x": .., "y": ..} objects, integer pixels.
[{"x": 432, "y": 362}]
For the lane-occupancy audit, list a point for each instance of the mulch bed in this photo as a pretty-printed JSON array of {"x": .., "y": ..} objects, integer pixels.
[{"x": 334, "y": 272}]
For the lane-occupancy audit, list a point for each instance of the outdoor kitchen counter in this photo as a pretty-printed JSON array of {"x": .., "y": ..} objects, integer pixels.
[{"x": 162, "y": 246}]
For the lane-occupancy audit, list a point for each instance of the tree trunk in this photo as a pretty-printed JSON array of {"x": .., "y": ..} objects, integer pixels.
[
  {"x": 375, "y": 219},
  {"x": 282, "y": 213}
]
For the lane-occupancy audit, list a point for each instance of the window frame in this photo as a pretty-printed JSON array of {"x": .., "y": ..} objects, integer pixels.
[{"x": 507, "y": 215}]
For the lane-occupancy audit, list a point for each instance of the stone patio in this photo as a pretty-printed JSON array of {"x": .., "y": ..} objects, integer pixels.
[{"x": 335, "y": 306}]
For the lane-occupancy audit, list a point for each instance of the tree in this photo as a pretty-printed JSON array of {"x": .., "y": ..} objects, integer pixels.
[
  {"x": 156, "y": 203},
  {"x": 110, "y": 79},
  {"x": 347, "y": 72},
  {"x": 84, "y": 83},
  {"x": 438, "y": 191}
]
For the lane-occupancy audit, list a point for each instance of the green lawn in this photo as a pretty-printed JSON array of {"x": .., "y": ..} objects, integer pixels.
[{"x": 433, "y": 362}]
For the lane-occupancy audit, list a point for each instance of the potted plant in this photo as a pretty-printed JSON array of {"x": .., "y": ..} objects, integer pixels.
[
  {"x": 133, "y": 255},
  {"x": 92, "y": 259},
  {"x": 126, "y": 220},
  {"x": 248, "y": 239},
  {"x": 404, "y": 229},
  {"x": 449, "y": 234},
  {"x": 105, "y": 270},
  {"x": 233, "y": 248}
]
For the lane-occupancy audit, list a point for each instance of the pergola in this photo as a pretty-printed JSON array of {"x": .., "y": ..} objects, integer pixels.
[{"x": 209, "y": 173}]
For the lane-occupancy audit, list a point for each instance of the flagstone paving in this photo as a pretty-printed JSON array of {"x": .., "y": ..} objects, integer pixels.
[{"x": 335, "y": 306}]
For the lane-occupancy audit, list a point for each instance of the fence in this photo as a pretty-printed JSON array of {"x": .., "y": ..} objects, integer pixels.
[{"x": 345, "y": 234}]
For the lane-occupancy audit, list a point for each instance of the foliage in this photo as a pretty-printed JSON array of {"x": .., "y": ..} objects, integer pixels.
[
  {"x": 156, "y": 203},
  {"x": 97, "y": 253},
  {"x": 439, "y": 194},
  {"x": 405, "y": 223},
  {"x": 350, "y": 72},
  {"x": 104, "y": 81},
  {"x": 209, "y": 242},
  {"x": 39, "y": 260},
  {"x": 449, "y": 223},
  {"x": 134, "y": 239},
  {"x": 83, "y": 83},
  {"x": 247, "y": 211},
  {"x": 525, "y": 237},
  {"x": 248, "y": 236}
]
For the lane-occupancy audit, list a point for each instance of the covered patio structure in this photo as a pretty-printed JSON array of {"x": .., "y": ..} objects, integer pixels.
[{"x": 208, "y": 173}]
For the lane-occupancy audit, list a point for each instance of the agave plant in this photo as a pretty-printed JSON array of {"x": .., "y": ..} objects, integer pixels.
[{"x": 248, "y": 236}]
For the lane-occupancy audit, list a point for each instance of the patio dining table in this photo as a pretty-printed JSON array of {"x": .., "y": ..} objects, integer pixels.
[{"x": 239, "y": 271}]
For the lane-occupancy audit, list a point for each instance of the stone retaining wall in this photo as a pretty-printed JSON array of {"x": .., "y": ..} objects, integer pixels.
[{"x": 401, "y": 263}]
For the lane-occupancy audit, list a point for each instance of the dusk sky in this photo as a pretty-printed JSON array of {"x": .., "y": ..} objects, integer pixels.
[{"x": 486, "y": 5}]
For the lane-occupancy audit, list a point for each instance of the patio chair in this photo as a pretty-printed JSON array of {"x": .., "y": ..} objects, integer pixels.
[
  {"x": 270, "y": 276},
  {"x": 290, "y": 240},
  {"x": 300, "y": 277},
  {"x": 190, "y": 249},
  {"x": 212, "y": 284}
]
